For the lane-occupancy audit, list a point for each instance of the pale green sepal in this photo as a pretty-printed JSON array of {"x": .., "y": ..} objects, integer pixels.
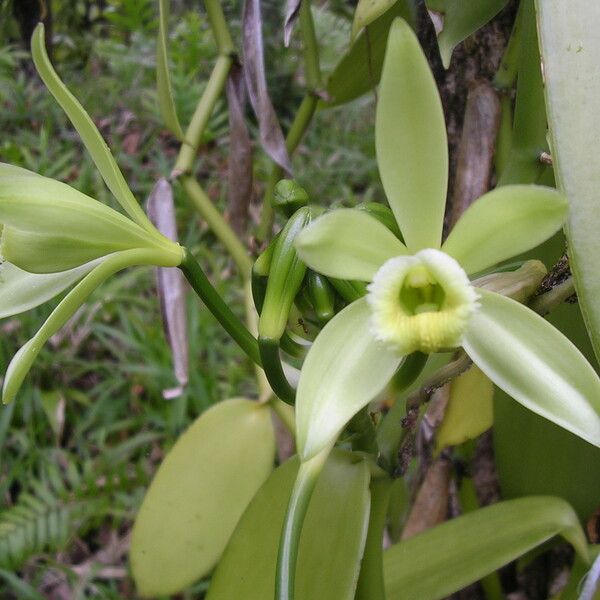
[
  {"x": 21, "y": 291},
  {"x": 88, "y": 132},
  {"x": 367, "y": 11},
  {"x": 410, "y": 139},
  {"x": 461, "y": 19},
  {"x": 51, "y": 227},
  {"x": 344, "y": 370},
  {"x": 570, "y": 46},
  {"x": 503, "y": 223},
  {"x": 331, "y": 544},
  {"x": 198, "y": 495},
  {"x": 347, "y": 244},
  {"x": 448, "y": 557},
  {"x": 166, "y": 103},
  {"x": 7, "y": 170},
  {"x": 535, "y": 364},
  {"x": 23, "y": 360}
]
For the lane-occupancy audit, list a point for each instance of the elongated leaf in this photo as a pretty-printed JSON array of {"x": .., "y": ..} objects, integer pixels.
[
  {"x": 348, "y": 244},
  {"x": 570, "y": 46},
  {"x": 450, "y": 556},
  {"x": 461, "y": 19},
  {"x": 344, "y": 370},
  {"x": 89, "y": 133},
  {"x": 367, "y": 11},
  {"x": 410, "y": 139},
  {"x": 332, "y": 540},
  {"x": 535, "y": 364},
  {"x": 21, "y": 291},
  {"x": 171, "y": 286},
  {"x": 51, "y": 227},
  {"x": 198, "y": 495},
  {"x": 166, "y": 103},
  {"x": 271, "y": 136},
  {"x": 359, "y": 69},
  {"x": 505, "y": 222}
]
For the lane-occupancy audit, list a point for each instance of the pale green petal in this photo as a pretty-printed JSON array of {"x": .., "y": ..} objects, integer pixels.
[
  {"x": 23, "y": 360},
  {"x": 7, "y": 170},
  {"x": 343, "y": 371},
  {"x": 503, "y": 223},
  {"x": 88, "y": 132},
  {"x": 535, "y": 364},
  {"x": 347, "y": 244},
  {"x": 21, "y": 291},
  {"x": 410, "y": 139},
  {"x": 51, "y": 227}
]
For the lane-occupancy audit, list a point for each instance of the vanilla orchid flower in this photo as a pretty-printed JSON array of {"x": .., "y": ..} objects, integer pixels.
[{"x": 420, "y": 297}]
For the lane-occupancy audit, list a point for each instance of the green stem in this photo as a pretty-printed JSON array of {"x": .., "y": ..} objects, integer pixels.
[
  {"x": 312, "y": 67},
  {"x": 271, "y": 361},
  {"x": 218, "y": 24},
  {"x": 509, "y": 65},
  {"x": 218, "y": 225},
  {"x": 213, "y": 301},
  {"x": 546, "y": 302},
  {"x": 298, "y": 128},
  {"x": 204, "y": 109},
  {"x": 304, "y": 486}
]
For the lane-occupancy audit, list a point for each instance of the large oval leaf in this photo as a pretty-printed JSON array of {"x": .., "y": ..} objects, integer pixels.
[
  {"x": 450, "y": 556},
  {"x": 331, "y": 544},
  {"x": 410, "y": 139},
  {"x": 198, "y": 495},
  {"x": 570, "y": 48},
  {"x": 535, "y": 364}
]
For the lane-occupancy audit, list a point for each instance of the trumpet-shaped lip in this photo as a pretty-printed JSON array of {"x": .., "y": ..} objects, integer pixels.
[{"x": 421, "y": 302}]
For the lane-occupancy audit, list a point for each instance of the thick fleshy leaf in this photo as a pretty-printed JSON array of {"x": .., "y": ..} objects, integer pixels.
[
  {"x": 535, "y": 364},
  {"x": 199, "y": 494},
  {"x": 348, "y": 244},
  {"x": 570, "y": 46},
  {"x": 461, "y": 19},
  {"x": 166, "y": 103},
  {"x": 367, "y": 11},
  {"x": 21, "y": 291},
  {"x": 505, "y": 222},
  {"x": 410, "y": 139},
  {"x": 88, "y": 132},
  {"x": 51, "y": 227},
  {"x": 331, "y": 544},
  {"x": 344, "y": 370},
  {"x": 448, "y": 557},
  {"x": 21, "y": 363},
  {"x": 359, "y": 69}
]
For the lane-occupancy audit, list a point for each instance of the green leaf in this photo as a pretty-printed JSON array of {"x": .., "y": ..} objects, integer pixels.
[
  {"x": 448, "y": 557},
  {"x": 461, "y": 19},
  {"x": 51, "y": 227},
  {"x": 505, "y": 222},
  {"x": 332, "y": 540},
  {"x": 535, "y": 364},
  {"x": 570, "y": 46},
  {"x": 20, "y": 291},
  {"x": 22, "y": 361},
  {"x": 199, "y": 494},
  {"x": 166, "y": 102},
  {"x": 348, "y": 244},
  {"x": 344, "y": 370},
  {"x": 367, "y": 11},
  {"x": 410, "y": 139},
  {"x": 359, "y": 70},
  {"x": 88, "y": 132}
]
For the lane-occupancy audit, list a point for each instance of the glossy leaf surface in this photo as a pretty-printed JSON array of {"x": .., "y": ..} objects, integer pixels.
[
  {"x": 198, "y": 495},
  {"x": 331, "y": 545},
  {"x": 344, "y": 370},
  {"x": 410, "y": 139},
  {"x": 450, "y": 556},
  {"x": 505, "y": 222},
  {"x": 348, "y": 244},
  {"x": 535, "y": 364},
  {"x": 570, "y": 47}
]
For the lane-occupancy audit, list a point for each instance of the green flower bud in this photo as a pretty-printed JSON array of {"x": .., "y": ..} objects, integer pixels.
[{"x": 288, "y": 196}]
